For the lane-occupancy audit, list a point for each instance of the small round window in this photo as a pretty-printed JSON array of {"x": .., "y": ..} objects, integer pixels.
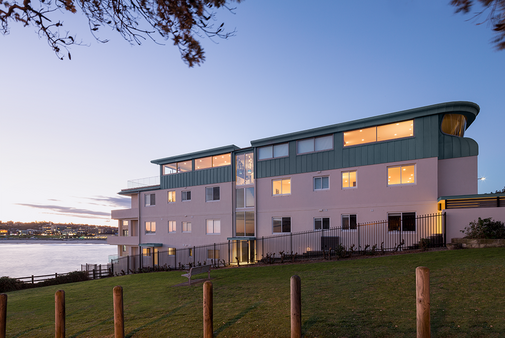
[{"x": 454, "y": 124}]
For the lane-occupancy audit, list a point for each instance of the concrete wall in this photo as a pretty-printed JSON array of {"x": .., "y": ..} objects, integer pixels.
[
  {"x": 458, "y": 219},
  {"x": 458, "y": 176}
]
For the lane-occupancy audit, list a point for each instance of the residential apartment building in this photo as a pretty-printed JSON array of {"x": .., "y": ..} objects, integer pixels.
[{"x": 393, "y": 167}]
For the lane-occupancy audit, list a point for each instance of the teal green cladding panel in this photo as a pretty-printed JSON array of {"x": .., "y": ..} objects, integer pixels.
[{"x": 197, "y": 177}]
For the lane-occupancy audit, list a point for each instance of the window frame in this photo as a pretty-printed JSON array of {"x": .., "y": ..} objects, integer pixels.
[
  {"x": 186, "y": 193},
  {"x": 149, "y": 229},
  {"x": 272, "y": 151},
  {"x": 172, "y": 227},
  {"x": 322, "y": 179},
  {"x": 152, "y": 200},
  {"x": 401, "y": 226},
  {"x": 214, "y": 222},
  {"x": 322, "y": 226},
  {"x": 313, "y": 147},
  {"x": 282, "y": 219},
  {"x": 281, "y": 182},
  {"x": 349, "y": 173},
  {"x": 186, "y": 225},
  {"x": 349, "y": 216},
  {"x": 171, "y": 196},
  {"x": 214, "y": 197},
  {"x": 401, "y": 178}
]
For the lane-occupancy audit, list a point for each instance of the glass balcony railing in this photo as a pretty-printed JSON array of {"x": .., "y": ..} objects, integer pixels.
[{"x": 143, "y": 182}]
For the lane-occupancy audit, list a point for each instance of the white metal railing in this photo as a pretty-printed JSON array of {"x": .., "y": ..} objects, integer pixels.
[{"x": 143, "y": 182}]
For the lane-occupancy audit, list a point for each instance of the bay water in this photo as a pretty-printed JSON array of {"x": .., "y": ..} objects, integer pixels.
[{"x": 23, "y": 259}]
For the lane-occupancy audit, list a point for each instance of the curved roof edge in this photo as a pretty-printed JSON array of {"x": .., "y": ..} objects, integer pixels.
[
  {"x": 469, "y": 109},
  {"x": 202, "y": 153}
]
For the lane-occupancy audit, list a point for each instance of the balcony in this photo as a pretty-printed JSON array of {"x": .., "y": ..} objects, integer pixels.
[
  {"x": 123, "y": 240},
  {"x": 143, "y": 182},
  {"x": 125, "y": 213}
]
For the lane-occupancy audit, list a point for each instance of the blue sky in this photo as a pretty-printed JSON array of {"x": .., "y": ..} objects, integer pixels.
[{"x": 72, "y": 133}]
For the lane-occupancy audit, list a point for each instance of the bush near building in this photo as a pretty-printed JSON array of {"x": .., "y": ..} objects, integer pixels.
[{"x": 486, "y": 228}]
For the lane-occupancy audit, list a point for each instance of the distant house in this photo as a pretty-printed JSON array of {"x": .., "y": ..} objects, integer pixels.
[{"x": 395, "y": 168}]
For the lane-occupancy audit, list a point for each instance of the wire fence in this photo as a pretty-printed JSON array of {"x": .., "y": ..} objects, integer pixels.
[{"x": 394, "y": 234}]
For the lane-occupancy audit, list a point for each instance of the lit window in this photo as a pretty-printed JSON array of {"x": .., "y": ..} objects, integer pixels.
[
  {"x": 244, "y": 223},
  {"x": 186, "y": 195},
  {"x": 379, "y": 133},
  {"x": 405, "y": 221},
  {"x": 179, "y": 167},
  {"x": 213, "y": 226},
  {"x": 124, "y": 248},
  {"x": 150, "y": 227},
  {"x": 213, "y": 161},
  {"x": 281, "y": 224},
  {"x": 349, "y": 179},
  {"x": 321, "y": 223},
  {"x": 244, "y": 164},
  {"x": 321, "y": 183},
  {"x": 360, "y": 136},
  {"x": 212, "y": 194},
  {"x": 150, "y": 199},
  {"x": 171, "y": 196},
  {"x": 404, "y": 174},
  {"x": 186, "y": 227},
  {"x": 349, "y": 222},
  {"x": 212, "y": 254},
  {"x": 281, "y": 187},
  {"x": 171, "y": 226},
  {"x": 454, "y": 124},
  {"x": 315, "y": 144},
  {"x": 275, "y": 151},
  {"x": 171, "y": 251}
]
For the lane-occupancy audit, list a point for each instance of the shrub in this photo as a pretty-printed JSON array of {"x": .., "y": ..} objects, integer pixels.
[
  {"x": 71, "y": 277},
  {"x": 10, "y": 284},
  {"x": 485, "y": 229}
]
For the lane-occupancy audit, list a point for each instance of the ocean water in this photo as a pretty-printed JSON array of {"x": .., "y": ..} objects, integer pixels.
[{"x": 26, "y": 259}]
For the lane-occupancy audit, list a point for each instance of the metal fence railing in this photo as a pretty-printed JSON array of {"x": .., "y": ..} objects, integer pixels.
[{"x": 388, "y": 235}]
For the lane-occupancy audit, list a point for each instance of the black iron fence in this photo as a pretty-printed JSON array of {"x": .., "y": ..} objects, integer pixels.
[{"x": 395, "y": 234}]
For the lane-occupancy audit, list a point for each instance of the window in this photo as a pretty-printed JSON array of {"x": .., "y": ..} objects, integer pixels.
[
  {"x": 281, "y": 187},
  {"x": 404, "y": 174},
  {"x": 146, "y": 251},
  {"x": 281, "y": 224},
  {"x": 186, "y": 195},
  {"x": 245, "y": 198},
  {"x": 172, "y": 226},
  {"x": 321, "y": 223},
  {"x": 454, "y": 124},
  {"x": 124, "y": 248},
  {"x": 349, "y": 222},
  {"x": 405, "y": 221},
  {"x": 379, "y": 133},
  {"x": 244, "y": 223},
  {"x": 314, "y": 144},
  {"x": 186, "y": 227},
  {"x": 275, "y": 151},
  {"x": 171, "y": 196},
  {"x": 179, "y": 167},
  {"x": 213, "y": 161},
  {"x": 125, "y": 232},
  {"x": 213, "y": 226},
  {"x": 244, "y": 164},
  {"x": 150, "y": 199},
  {"x": 150, "y": 227},
  {"x": 212, "y": 194},
  {"x": 212, "y": 254},
  {"x": 321, "y": 183},
  {"x": 171, "y": 251},
  {"x": 349, "y": 179}
]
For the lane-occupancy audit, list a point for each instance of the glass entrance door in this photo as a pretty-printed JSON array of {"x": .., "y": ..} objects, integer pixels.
[{"x": 243, "y": 251}]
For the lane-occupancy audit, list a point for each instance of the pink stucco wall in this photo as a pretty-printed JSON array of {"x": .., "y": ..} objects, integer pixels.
[
  {"x": 458, "y": 176},
  {"x": 458, "y": 219}
]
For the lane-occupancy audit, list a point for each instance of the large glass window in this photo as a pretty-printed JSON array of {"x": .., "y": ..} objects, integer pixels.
[
  {"x": 213, "y": 226},
  {"x": 281, "y": 224},
  {"x": 274, "y": 151},
  {"x": 179, "y": 167},
  {"x": 349, "y": 222},
  {"x": 212, "y": 194},
  {"x": 349, "y": 179},
  {"x": 379, "y": 133},
  {"x": 321, "y": 183},
  {"x": 405, "y": 221},
  {"x": 314, "y": 144},
  {"x": 321, "y": 223},
  {"x": 244, "y": 169},
  {"x": 245, "y": 198},
  {"x": 150, "y": 227},
  {"x": 244, "y": 223},
  {"x": 454, "y": 124},
  {"x": 404, "y": 174},
  {"x": 281, "y": 187},
  {"x": 213, "y": 161}
]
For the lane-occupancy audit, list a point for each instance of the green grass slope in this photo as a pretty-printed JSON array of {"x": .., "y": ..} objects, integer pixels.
[{"x": 352, "y": 298}]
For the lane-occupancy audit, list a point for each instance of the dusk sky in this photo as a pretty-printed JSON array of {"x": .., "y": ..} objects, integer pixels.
[{"x": 72, "y": 133}]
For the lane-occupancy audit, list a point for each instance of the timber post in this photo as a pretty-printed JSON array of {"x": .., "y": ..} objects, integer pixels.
[
  {"x": 59, "y": 314},
  {"x": 118, "y": 312},
  {"x": 208, "y": 315},
  {"x": 423, "y": 302},
  {"x": 296, "y": 307}
]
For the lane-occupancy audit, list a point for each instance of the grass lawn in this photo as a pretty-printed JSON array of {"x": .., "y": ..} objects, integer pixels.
[{"x": 372, "y": 297}]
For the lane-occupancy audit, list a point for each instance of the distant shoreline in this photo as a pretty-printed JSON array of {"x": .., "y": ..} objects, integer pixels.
[{"x": 52, "y": 241}]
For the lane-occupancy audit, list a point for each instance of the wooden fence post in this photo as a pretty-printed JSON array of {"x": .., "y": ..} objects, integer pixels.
[
  {"x": 3, "y": 315},
  {"x": 59, "y": 314},
  {"x": 296, "y": 307},
  {"x": 208, "y": 315},
  {"x": 118, "y": 312},
  {"x": 423, "y": 302}
]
